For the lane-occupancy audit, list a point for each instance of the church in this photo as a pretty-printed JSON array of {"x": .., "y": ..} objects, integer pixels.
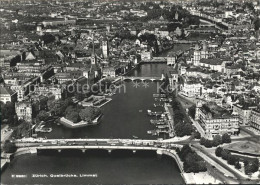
[
  {"x": 94, "y": 73},
  {"x": 199, "y": 54}
]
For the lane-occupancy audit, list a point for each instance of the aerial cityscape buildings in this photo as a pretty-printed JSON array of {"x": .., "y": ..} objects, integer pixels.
[{"x": 130, "y": 91}]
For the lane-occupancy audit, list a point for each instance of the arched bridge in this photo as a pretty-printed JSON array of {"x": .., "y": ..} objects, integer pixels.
[{"x": 141, "y": 78}]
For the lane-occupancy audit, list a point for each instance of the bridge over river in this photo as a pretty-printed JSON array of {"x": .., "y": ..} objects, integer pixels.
[
  {"x": 106, "y": 144},
  {"x": 142, "y": 78},
  {"x": 161, "y": 147}
]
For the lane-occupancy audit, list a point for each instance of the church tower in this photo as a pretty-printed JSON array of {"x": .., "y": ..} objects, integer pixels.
[
  {"x": 176, "y": 15},
  {"x": 196, "y": 57},
  {"x": 105, "y": 48},
  {"x": 93, "y": 55},
  {"x": 204, "y": 51}
]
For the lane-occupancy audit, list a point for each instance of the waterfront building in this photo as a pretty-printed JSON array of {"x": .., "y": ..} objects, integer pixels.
[
  {"x": 171, "y": 58},
  {"x": 109, "y": 72},
  {"x": 146, "y": 55},
  {"x": 172, "y": 74},
  {"x": 244, "y": 112},
  {"x": 216, "y": 120},
  {"x": 191, "y": 87},
  {"x": 24, "y": 110},
  {"x": 255, "y": 119}
]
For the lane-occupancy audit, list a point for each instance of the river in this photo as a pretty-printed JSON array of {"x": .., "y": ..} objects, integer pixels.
[{"x": 125, "y": 116}]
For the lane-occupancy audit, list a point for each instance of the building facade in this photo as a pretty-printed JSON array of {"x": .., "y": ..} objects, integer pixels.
[
  {"x": 24, "y": 110},
  {"x": 255, "y": 119},
  {"x": 215, "y": 120}
]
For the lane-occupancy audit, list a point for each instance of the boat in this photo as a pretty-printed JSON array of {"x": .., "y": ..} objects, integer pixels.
[
  {"x": 135, "y": 137},
  {"x": 163, "y": 95},
  {"x": 157, "y": 105},
  {"x": 162, "y": 126},
  {"x": 46, "y": 129},
  {"x": 150, "y": 113},
  {"x": 140, "y": 110},
  {"x": 156, "y": 95},
  {"x": 97, "y": 119},
  {"x": 42, "y": 129},
  {"x": 149, "y": 131},
  {"x": 154, "y": 133}
]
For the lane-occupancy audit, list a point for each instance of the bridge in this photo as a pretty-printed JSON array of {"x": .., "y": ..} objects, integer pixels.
[
  {"x": 184, "y": 42},
  {"x": 107, "y": 144},
  {"x": 155, "y": 60},
  {"x": 142, "y": 78},
  {"x": 161, "y": 147}
]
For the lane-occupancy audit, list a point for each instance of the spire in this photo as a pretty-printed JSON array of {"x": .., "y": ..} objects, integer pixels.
[
  {"x": 205, "y": 48},
  {"x": 93, "y": 45},
  {"x": 93, "y": 55}
]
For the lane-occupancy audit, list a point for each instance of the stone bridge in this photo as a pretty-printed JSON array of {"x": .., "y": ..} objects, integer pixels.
[{"x": 141, "y": 78}]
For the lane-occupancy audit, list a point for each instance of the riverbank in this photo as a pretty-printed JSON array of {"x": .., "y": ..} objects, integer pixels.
[{"x": 70, "y": 124}]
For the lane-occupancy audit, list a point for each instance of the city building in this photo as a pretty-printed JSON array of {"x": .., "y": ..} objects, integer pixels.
[
  {"x": 7, "y": 95},
  {"x": 255, "y": 119},
  {"x": 171, "y": 58},
  {"x": 216, "y": 120},
  {"x": 23, "y": 110},
  {"x": 146, "y": 55},
  {"x": 244, "y": 112},
  {"x": 105, "y": 48}
]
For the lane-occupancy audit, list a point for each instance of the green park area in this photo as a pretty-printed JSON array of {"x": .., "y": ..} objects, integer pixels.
[{"x": 246, "y": 147}]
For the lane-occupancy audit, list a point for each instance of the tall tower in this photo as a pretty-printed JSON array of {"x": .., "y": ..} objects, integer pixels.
[
  {"x": 196, "y": 57},
  {"x": 204, "y": 51},
  {"x": 105, "y": 48},
  {"x": 93, "y": 55},
  {"x": 39, "y": 28},
  {"x": 176, "y": 15},
  {"x": 198, "y": 106}
]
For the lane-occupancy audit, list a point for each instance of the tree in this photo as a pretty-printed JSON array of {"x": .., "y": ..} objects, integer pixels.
[
  {"x": 48, "y": 38},
  {"x": 43, "y": 115},
  {"x": 208, "y": 143},
  {"x": 184, "y": 151},
  {"x": 218, "y": 151},
  {"x": 237, "y": 165},
  {"x": 192, "y": 111},
  {"x": 8, "y": 112},
  {"x": 251, "y": 166},
  {"x": 73, "y": 116},
  {"x": 9, "y": 147},
  {"x": 226, "y": 138},
  {"x": 257, "y": 24},
  {"x": 225, "y": 154},
  {"x": 202, "y": 141},
  {"x": 232, "y": 159},
  {"x": 217, "y": 140},
  {"x": 89, "y": 113},
  {"x": 197, "y": 135}
]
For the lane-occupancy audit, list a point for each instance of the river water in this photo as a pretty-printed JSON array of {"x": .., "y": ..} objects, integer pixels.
[{"x": 124, "y": 117}]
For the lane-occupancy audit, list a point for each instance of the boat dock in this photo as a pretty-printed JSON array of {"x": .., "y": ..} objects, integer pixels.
[
  {"x": 169, "y": 114},
  {"x": 3, "y": 164},
  {"x": 151, "y": 113}
]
